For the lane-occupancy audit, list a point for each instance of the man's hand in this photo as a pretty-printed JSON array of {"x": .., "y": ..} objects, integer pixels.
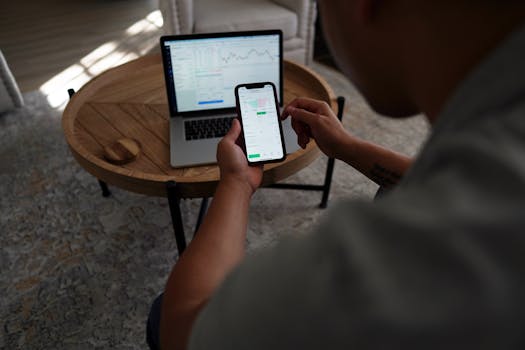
[
  {"x": 233, "y": 164},
  {"x": 315, "y": 119}
]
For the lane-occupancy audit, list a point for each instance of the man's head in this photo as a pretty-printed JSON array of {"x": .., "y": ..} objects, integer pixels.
[{"x": 406, "y": 56}]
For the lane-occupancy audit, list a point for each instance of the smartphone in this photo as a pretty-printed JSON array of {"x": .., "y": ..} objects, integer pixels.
[{"x": 262, "y": 131}]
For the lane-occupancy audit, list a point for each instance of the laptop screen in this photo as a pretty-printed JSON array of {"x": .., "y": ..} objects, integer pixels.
[{"x": 202, "y": 70}]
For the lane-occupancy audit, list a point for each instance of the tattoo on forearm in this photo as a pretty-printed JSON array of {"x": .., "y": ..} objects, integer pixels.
[{"x": 384, "y": 177}]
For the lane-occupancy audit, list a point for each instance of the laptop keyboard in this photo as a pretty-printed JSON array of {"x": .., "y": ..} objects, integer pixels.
[{"x": 207, "y": 128}]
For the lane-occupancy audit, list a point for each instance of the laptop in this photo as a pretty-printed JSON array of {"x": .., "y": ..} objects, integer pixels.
[{"x": 201, "y": 73}]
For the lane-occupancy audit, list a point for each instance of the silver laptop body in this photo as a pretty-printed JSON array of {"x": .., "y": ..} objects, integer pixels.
[{"x": 201, "y": 72}]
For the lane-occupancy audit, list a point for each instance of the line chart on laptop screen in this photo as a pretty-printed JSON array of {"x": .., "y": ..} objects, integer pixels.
[{"x": 206, "y": 71}]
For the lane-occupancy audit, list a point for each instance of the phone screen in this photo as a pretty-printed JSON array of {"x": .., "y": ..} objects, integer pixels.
[{"x": 260, "y": 122}]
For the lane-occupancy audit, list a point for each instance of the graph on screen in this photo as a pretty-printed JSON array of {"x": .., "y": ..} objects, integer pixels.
[
  {"x": 261, "y": 102},
  {"x": 250, "y": 57},
  {"x": 207, "y": 71}
]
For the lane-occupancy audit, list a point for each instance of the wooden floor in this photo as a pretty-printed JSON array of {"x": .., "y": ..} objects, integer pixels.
[{"x": 42, "y": 38}]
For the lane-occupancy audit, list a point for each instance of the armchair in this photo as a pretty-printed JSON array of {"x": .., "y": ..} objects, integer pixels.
[{"x": 296, "y": 18}]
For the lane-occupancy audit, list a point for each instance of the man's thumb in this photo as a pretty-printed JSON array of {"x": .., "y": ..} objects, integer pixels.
[{"x": 235, "y": 131}]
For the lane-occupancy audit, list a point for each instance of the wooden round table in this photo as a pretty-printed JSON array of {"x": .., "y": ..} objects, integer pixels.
[{"x": 130, "y": 101}]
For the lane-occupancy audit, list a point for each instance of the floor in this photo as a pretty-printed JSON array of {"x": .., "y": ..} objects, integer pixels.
[{"x": 41, "y": 39}]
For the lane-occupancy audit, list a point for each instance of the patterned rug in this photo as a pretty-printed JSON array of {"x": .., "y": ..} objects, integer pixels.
[{"x": 79, "y": 271}]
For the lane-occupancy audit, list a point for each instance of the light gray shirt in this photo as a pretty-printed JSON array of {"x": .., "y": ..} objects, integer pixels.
[{"x": 439, "y": 263}]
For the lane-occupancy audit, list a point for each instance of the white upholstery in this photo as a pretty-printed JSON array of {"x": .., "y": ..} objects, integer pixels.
[
  {"x": 10, "y": 96},
  {"x": 296, "y": 18},
  {"x": 218, "y": 16},
  {"x": 177, "y": 16}
]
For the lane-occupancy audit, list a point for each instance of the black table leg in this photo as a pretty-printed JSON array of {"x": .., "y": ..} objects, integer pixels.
[
  {"x": 104, "y": 187},
  {"x": 176, "y": 217},
  {"x": 331, "y": 161},
  {"x": 327, "y": 183},
  {"x": 202, "y": 213}
]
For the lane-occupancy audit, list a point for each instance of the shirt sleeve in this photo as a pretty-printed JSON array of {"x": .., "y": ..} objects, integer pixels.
[{"x": 395, "y": 274}]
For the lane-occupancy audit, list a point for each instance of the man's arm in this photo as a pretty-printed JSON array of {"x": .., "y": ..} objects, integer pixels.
[
  {"x": 216, "y": 249},
  {"x": 381, "y": 165},
  {"x": 315, "y": 119}
]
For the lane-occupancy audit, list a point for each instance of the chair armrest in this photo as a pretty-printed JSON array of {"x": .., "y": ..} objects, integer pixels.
[
  {"x": 306, "y": 11},
  {"x": 177, "y": 15},
  {"x": 306, "y": 14},
  {"x": 294, "y": 5}
]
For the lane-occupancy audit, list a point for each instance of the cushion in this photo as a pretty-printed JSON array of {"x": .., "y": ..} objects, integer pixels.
[{"x": 233, "y": 15}]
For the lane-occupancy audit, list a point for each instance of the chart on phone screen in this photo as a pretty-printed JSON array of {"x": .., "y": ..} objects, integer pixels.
[
  {"x": 206, "y": 71},
  {"x": 260, "y": 124}
]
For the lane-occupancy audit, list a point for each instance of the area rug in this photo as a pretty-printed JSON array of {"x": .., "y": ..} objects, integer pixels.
[{"x": 79, "y": 271}]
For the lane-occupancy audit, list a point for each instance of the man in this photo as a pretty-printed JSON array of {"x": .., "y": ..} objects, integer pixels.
[{"x": 438, "y": 263}]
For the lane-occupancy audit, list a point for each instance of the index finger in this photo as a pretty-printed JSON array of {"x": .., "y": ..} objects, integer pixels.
[{"x": 309, "y": 104}]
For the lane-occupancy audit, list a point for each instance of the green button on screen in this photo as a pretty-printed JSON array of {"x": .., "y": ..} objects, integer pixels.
[
  {"x": 261, "y": 113},
  {"x": 254, "y": 156}
]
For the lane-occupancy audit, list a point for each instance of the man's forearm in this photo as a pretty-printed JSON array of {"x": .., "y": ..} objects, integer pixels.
[
  {"x": 216, "y": 249},
  {"x": 381, "y": 165}
]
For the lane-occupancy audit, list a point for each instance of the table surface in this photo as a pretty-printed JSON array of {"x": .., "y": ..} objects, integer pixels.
[{"x": 130, "y": 101}]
